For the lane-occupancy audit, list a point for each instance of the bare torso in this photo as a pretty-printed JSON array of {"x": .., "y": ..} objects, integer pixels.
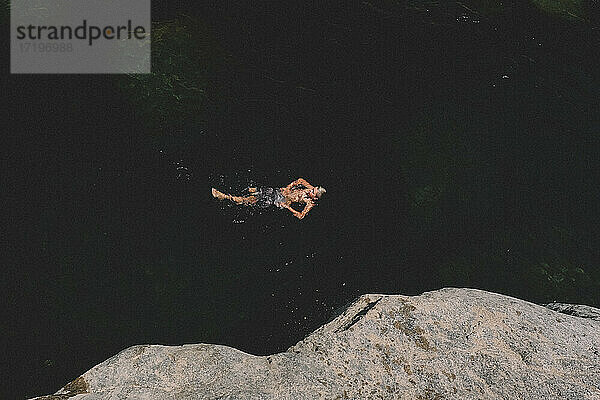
[
  {"x": 300, "y": 191},
  {"x": 296, "y": 195}
]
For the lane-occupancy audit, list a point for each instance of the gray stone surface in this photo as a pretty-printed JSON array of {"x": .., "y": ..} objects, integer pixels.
[{"x": 446, "y": 344}]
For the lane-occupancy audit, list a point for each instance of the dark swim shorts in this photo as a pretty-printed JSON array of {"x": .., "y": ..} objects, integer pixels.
[{"x": 267, "y": 197}]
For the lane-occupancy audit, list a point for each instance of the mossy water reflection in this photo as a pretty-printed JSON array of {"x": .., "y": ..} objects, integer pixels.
[{"x": 175, "y": 96}]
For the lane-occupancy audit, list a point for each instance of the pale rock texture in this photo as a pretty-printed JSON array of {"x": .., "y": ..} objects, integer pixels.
[{"x": 446, "y": 344}]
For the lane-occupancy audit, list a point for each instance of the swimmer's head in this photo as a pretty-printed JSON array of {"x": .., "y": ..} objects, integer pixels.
[{"x": 319, "y": 191}]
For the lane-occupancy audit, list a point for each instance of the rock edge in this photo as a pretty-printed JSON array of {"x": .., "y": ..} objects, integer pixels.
[{"x": 446, "y": 344}]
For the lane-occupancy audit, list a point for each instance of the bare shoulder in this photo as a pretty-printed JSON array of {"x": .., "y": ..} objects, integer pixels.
[{"x": 302, "y": 181}]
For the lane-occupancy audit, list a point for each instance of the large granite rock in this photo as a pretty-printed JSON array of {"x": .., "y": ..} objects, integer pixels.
[{"x": 446, "y": 344}]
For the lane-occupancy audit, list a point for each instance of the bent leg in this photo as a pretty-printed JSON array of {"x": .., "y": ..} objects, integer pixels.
[
  {"x": 218, "y": 195},
  {"x": 236, "y": 199},
  {"x": 242, "y": 200}
]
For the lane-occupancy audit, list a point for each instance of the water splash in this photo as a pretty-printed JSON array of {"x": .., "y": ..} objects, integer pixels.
[{"x": 183, "y": 172}]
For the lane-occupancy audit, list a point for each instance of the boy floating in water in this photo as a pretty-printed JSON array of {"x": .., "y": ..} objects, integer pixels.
[{"x": 299, "y": 191}]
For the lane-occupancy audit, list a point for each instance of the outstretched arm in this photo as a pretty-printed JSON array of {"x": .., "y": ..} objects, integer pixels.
[
  {"x": 300, "y": 181},
  {"x": 290, "y": 209},
  {"x": 299, "y": 214},
  {"x": 306, "y": 210}
]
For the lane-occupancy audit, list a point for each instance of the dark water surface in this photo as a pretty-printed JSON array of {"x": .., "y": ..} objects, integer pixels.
[{"x": 457, "y": 150}]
